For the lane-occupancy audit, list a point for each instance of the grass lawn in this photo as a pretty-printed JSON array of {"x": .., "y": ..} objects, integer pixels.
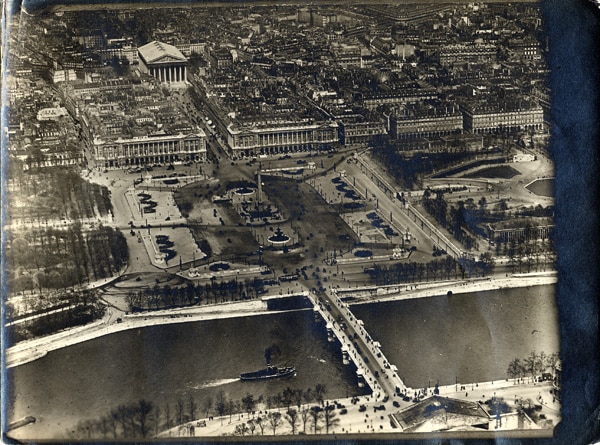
[
  {"x": 226, "y": 241},
  {"x": 318, "y": 225},
  {"x": 315, "y": 223}
]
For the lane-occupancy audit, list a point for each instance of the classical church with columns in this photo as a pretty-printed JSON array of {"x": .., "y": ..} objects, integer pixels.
[{"x": 163, "y": 62}]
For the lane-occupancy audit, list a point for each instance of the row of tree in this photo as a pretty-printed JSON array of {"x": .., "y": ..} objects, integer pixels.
[
  {"x": 145, "y": 418},
  {"x": 314, "y": 417},
  {"x": 157, "y": 297},
  {"x": 59, "y": 193},
  {"x": 528, "y": 255},
  {"x": 501, "y": 210},
  {"x": 35, "y": 304},
  {"x": 54, "y": 321},
  {"x": 457, "y": 220},
  {"x": 60, "y": 258},
  {"x": 534, "y": 364},
  {"x": 437, "y": 269},
  {"x": 525, "y": 252},
  {"x": 410, "y": 168}
]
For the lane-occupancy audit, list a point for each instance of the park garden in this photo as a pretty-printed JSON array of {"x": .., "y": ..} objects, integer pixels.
[{"x": 55, "y": 247}]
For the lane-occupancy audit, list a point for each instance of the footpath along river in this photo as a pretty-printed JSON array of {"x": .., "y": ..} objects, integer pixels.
[{"x": 471, "y": 337}]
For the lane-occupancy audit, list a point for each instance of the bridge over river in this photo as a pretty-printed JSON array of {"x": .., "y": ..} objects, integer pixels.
[{"x": 373, "y": 369}]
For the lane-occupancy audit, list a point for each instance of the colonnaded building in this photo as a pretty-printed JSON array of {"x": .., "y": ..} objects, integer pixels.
[
  {"x": 256, "y": 138},
  {"x": 163, "y": 62},
  {"x": 131, "y": 122},
  {"x": 151, "y": 149}
]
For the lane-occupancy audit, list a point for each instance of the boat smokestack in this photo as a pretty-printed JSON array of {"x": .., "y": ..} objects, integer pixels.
[{"x": 271, "y": 352}]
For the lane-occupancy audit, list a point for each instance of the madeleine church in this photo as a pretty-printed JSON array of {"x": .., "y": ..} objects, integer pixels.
[{"x": 163, "y": 62}]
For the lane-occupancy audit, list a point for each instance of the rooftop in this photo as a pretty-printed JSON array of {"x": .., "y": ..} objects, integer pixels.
[
  {"x": 519, "y": 223},
  {"x": 472, "y": 413},
  {"x": 155, "y": 52}
]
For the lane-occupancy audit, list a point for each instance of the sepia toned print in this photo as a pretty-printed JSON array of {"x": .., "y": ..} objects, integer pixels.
[{"x": 257, "y": 220}]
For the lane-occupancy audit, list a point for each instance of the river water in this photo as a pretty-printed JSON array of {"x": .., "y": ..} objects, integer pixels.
[
  {"x": 469, "y": 337},
  {"x": 465, "y": 337}
]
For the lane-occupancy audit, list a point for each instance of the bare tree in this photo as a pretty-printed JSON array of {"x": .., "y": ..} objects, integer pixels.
[
  {"x": 320, "y": 391},
  {"x": 298, "y": 397},
  {"x": 131, "y": 413},
  {"x": 192, "y": 407},
  {"x": 251, "y": 425},
  {"x": 275, "y": 421},
  {"x": 543, "y": 361},
  {"x": 261, "y": 424},
  {"x": 238, "y": 409},
  {"x": 292, "y": 418},
  {"x": 180, "y": 408},
  {"x": 315, "y": 415},
  {"x": 287, "y": 397},
  {"x": 144, "y": 409},
  {"x": 249, "y": 403},
  {"x": 230, "y": 408},
  {"x": 168, "y": 418},
  {"x": 308, "y": 396},
  {"x": 515, "y": 369},
  {"x": 85, "y": 429},
  {"x": 157, "y": 414},
  {"x": 122, "y": 416},
  {"x": 531, "y": 364},
  {"x": 221, "y": 405},
  {"x": 113, "y": 421},
  {"x": 208, "y": 403},
  {"x": 278, "y": 400},
  {"x": 331, "y": 419},
  {"x": 552, "y": 361},
  {"x": 305, "y": 415},
  {"x": 103, "y": 426}
]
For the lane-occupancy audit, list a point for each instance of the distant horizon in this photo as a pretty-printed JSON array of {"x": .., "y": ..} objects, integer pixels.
[{"x": 37, "y": 6}]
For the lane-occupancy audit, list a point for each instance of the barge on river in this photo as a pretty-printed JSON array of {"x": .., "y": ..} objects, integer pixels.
[{"x": 270, "y": 372}]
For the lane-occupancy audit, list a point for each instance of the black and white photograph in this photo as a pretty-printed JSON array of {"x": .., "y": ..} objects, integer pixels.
[{"x": 258, "y": 221}]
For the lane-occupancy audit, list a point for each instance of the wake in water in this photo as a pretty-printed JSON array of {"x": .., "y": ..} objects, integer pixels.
[
  {"x": 214, "y": 383},
  {"x": 318, "y": 359}
]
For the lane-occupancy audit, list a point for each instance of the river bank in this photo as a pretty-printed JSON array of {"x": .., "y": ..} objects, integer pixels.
[
  {"x": 30, "y": 350},
  {"x": 169, "y": 363},
  {"x": 424, "y": 290},
  {"x": 365, "y": 420}
]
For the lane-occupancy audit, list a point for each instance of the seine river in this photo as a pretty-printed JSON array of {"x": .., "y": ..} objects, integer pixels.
[{"x": 470, "y": 337}]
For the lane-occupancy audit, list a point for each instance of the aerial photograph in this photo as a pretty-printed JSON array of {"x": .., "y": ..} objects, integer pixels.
[{"x": 296, "y": 220}]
